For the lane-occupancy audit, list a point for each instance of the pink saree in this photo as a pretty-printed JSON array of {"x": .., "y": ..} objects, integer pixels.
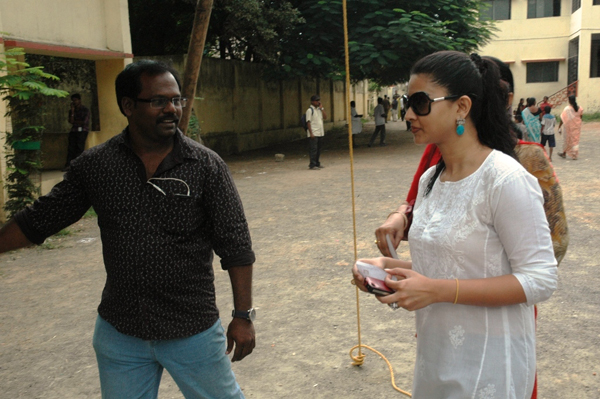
[{"x": 571, "y": 120}]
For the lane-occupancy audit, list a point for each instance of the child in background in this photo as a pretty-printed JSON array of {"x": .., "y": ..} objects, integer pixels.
[
  {"x": 521, "y": 125},
  {"x": 548, "y": 122}
]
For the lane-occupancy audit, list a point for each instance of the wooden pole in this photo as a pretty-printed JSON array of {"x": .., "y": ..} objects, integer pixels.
[{"x": 194, "y": 59}]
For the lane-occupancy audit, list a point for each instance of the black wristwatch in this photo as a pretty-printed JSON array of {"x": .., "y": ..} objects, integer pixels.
[{"x": 244, "y": 314}]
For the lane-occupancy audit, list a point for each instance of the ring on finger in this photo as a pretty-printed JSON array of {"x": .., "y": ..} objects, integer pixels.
[{"x": 394, "y": 305}]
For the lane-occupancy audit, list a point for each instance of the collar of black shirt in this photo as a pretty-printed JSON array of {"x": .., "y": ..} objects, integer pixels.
[{"x": 181, "y": 150}]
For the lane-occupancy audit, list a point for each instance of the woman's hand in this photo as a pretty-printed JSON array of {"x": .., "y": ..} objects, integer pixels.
[
  {"x": 382, "y": 263},
  {"x": 359, "y": 280},
  {"x": 413, "y": 290},
  {"x": 394, "y": 227}
]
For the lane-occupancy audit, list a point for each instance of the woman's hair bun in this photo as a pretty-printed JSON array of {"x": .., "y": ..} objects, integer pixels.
[{"x": 479, "y": 62}]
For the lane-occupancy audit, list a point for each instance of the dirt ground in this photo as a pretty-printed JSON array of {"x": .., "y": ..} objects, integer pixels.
[{"x": 302, "y": 229}]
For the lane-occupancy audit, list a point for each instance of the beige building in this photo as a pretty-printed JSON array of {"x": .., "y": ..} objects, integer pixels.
[
  {"x": 549, "y": 44},
  {"x": 96, "y": 30}
]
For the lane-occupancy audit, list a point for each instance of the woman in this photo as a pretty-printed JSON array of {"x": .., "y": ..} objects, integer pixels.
[
  {"x": 571, "y": 118},
  {"x": 466, "y": 248},
  {"x": 520, "y": 107},
  {"x": 532, "y": 121}
]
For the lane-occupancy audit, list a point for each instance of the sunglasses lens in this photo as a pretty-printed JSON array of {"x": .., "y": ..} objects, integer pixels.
[{"x": 420, "y": 103}]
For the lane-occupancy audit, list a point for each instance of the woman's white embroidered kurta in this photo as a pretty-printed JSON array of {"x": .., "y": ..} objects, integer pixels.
[{"x": 489, "y": 224}]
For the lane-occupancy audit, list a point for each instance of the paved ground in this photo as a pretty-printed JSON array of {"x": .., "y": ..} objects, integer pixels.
[{"x": 302, "y": 228}]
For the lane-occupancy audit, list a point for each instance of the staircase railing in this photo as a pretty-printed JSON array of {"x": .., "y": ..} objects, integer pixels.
[{"x": 562, "y": 96}]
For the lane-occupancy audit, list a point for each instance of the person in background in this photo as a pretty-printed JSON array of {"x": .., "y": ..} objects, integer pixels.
[
  {"x": 315, "y": 115},
  {"x": 532, "y": 121},
  {"x": 447, "y": 206},
  {"x": 79, "y": 118},
  {"x": 548, "y": 123},
  {"x": 543, "y": 106},
  {"x": 356, "y": 121},
  {"x": 165, "y": 203},
  {"x": 520, "y": 126},
  {"x": 379, "y": 114},
  {"x": 403, "y": 100},
  {"x": 520, "y": 107},
  {"x": 571, "y": 119},
  {"x": 386, "y": 107},
  {"x": 395, "y": 109}
]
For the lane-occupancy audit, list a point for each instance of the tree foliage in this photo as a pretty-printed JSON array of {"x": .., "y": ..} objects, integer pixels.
[
  {"x": 305, "y": 37},
  {"x": 385, "y": 36},
  {"x": 23, "y": 87},
  {"x": 250, "y": 30}
]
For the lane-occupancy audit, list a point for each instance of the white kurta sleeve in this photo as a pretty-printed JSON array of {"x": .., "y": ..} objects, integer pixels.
[{"x": 521, "y": 224}]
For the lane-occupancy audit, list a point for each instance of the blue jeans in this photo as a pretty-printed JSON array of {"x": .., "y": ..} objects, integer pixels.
[{"x": 132, "y": 368}]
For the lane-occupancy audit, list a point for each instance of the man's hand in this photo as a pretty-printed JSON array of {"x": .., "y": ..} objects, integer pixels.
[{"x": 241, "y": 332}]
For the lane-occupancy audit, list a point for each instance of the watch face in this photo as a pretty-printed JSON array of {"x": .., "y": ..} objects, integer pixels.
[{"x": 244, "y": 314}]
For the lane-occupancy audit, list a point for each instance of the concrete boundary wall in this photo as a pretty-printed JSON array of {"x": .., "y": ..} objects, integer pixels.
[{"x": 239, "y": 111}]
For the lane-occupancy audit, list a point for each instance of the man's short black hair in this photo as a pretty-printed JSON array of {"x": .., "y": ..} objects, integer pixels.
[
  {"x": 129, "y": 81},
  {"x": 76, "y": 96},
  {"x": 315, "y": 98}
]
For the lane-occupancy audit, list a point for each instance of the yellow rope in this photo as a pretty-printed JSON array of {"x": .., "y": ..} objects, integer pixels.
[{"x": 358, "y": 359}]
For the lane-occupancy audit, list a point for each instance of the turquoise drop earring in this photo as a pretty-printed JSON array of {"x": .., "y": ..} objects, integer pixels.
[{"x": 460, "y": 126}]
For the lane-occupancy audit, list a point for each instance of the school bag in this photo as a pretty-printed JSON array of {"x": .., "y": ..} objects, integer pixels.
[{"x": 303, "y": 119}]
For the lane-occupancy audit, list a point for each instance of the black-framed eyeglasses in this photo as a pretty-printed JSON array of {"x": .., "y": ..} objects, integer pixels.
[
  {"x": 420, "y": 102},
  {"x": 161, "y": 102}
]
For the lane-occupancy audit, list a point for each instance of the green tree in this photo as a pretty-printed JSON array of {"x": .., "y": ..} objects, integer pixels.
[
  {"x": 386, "y": 37},
  {"x": 23, "y": 87},
  {"x": 250, "y": 30},
  {"x": 298, "y": 38}
]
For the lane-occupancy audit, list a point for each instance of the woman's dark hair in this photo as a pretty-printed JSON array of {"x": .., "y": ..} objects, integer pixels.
[
  {"x": 479, "y": 79},
  {"x": 530, "y": 101},
  {"x": 573, "y": 103},
  {"x": 129, "y": 81},
  {"x": 352, "y": 104},
  {"x": 505, "y": 73}
]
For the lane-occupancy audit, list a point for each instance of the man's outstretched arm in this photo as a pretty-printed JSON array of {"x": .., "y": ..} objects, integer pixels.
[
  {"x": 12, "y": 237},
  {"x": 240, "y": 331}
]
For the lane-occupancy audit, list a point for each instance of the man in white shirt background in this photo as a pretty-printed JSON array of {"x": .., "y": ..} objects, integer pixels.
[
  {"x": 315, "y": 131},
  {"x": 380, "y": 116}
]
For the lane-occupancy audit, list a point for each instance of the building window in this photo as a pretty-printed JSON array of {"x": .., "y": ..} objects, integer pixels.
[
  {"x": 495, "y": 9},
  {"x": 538, "y": 72},
  {"x": 595, "y": 56},
  {"x": 573, "y": 61},
  {"x": 575, "y": 5},
  {"x": 543, "y": 8},
  {"x": 597, "y": 2}
]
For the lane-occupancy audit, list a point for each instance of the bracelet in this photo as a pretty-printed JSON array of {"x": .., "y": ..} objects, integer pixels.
[
  {"x": 403, "y": 216},
  {"x": 456, "y": 297},
  {"x": 405, "y": 220},
  {"x": 391, "y": 213}
]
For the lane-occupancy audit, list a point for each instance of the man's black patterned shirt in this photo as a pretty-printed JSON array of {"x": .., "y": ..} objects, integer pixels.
[{"x": 157, "y": 238}]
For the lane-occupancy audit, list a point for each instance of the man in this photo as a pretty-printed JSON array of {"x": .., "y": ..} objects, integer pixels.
[
  {"x": 164, "y": 203},
  {"x": 315, "y": 115},
  {"x": 543, "y": 106},
  {"x": 380, "y": 116},
  {"x": 395, "y": 109},
  {"x": 386, "y": 107},
  {"x": 402, "y": 106},
  {"x": 79, "y": 118},
  {"x": 404, "y": 102}
]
